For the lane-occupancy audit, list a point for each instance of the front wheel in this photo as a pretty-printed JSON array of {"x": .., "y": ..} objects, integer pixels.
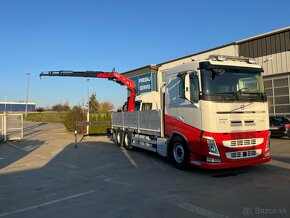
[{"x": 180, "y": 153}]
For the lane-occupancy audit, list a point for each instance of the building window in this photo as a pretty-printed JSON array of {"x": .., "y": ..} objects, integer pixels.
[{"x": 278, "y": 93}]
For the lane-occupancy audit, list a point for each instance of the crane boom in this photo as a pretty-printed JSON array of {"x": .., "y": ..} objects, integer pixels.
[{"x": 114, "y": 76}]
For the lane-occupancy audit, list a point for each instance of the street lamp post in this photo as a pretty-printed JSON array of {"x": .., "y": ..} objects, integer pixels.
[
  {"x": 27, "y": 92},
  {"x": 88, "y": 113}
]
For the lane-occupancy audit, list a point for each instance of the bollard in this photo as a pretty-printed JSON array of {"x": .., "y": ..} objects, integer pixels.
[{"x": 76, "y": 139}]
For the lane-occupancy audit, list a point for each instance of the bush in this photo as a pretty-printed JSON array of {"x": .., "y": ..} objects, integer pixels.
[
  {"x": 40, "y": 109},
  {"x": 73, "y": 116}
]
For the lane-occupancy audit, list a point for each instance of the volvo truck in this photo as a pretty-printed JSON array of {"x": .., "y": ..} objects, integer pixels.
[{"x": 210, "y": 113}]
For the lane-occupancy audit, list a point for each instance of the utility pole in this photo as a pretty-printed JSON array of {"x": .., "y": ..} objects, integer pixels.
[{"x": 27, "y": 91}]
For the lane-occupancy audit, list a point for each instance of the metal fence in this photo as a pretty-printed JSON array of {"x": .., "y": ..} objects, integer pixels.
[{"x": 11, "y": 126}]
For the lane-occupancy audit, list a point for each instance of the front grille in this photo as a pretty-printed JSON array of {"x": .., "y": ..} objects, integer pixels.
[
  {"x": 243, "y": 154},
  {"x": 243, "y": 142}
]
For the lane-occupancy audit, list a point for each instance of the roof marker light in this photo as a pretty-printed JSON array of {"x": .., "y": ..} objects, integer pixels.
[
  {"x": 221, "y": 58},
  {"x": 251, "y": 61}
]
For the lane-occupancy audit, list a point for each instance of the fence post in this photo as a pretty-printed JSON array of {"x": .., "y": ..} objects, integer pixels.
[{"x": 5, "y": 126}]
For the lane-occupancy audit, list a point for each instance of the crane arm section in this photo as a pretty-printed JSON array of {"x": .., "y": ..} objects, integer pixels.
[{"x": 114, "y": 76}]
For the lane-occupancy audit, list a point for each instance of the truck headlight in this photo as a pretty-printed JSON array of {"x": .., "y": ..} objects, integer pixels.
[{"x": 212, "y": 147}]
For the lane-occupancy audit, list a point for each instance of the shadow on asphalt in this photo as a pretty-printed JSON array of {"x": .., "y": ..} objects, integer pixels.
[
  {"x": 32, "y": 132},
  {"x": 30, "y": 127},
  {"x": 103, "y": 152},
  {"x": 89, "y": 154}
]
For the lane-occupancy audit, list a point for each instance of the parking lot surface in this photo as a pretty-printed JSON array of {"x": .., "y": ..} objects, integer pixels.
[{"x": 45, "y": 176}]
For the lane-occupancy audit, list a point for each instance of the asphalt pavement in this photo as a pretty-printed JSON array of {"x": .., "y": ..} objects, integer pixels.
[{"x": 46, "y": 176}]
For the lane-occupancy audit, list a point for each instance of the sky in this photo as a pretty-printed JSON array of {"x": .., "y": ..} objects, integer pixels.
[{"x": 42, "y": 35}]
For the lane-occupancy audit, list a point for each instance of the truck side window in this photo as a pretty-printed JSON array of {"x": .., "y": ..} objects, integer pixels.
[
  {"x": 194, "y": 88},
  {"x": 182, "y": 86},
  {"x": 137, "y": 105},
  {"x": 146, "y": 106}
]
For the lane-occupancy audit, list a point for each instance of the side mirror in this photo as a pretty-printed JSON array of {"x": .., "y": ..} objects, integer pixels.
[{"x": 187, "y": 87}]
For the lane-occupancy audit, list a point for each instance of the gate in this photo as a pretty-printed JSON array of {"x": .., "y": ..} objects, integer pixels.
[{"x": 11, "y": 126}]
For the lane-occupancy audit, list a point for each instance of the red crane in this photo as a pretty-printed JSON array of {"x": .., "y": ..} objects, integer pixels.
[{"x": 114, "y": 76}]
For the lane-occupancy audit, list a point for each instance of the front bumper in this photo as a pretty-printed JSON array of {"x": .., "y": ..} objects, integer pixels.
[{"x": 225, "y": 165}]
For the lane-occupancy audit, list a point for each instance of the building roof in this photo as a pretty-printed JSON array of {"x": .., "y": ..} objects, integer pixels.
[
  {"x": 204, "y": 51},
  {"x": 215, "y": 48},
  {"x": 264, "y": 34},
  {"x": 19, "y": 103},
  {"x": 152, "y": 66}
]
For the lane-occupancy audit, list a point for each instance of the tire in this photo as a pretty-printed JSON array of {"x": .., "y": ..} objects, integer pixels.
[
  {"x": 119, "y": 138},
  {"x": 179, "y": 153},
  {"x": 128, "y": 140}
]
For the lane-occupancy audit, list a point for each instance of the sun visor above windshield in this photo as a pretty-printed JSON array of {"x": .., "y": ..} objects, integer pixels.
[{"x": 230, "y": 65}]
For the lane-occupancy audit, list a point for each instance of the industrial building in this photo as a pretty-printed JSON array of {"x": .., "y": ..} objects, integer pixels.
[
  {"x": 17, "y": 106},
  {"x": 270, "y": 50}
]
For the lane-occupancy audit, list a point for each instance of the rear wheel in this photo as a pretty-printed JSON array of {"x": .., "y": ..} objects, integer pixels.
[
  {"x": 119, "y": 137},
  {"x": 180, "y": 153},
  {"x": 128, "y": 140}
]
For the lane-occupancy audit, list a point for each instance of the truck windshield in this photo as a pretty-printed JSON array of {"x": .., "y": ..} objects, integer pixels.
[{"x": 232, "y": 85}]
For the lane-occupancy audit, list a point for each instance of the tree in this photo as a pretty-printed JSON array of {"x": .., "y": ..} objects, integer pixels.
[
  {"x": 107, "y": 106},
  {"x": 60, "y": 107},
  {"x": 94, "y": 105}
]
